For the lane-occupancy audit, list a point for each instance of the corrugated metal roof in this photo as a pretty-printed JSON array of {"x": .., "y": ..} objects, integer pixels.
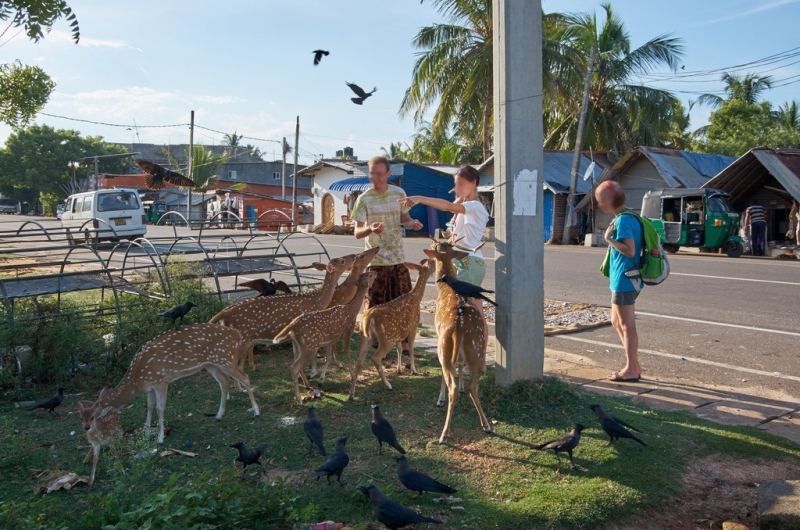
[
  {"x": 558, "y": 169},
  {"x": 355, "y": 184},
  {"x": 748, "y": 172}
]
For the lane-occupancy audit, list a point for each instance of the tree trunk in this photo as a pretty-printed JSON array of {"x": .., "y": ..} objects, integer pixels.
[{"x": 487, "y": 120}]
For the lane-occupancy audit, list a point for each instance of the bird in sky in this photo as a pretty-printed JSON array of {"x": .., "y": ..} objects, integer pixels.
[
  {"x": 157, "y": 176},
  {"x": 360, "y": 93},
  {"x": 318, "y": 55}
]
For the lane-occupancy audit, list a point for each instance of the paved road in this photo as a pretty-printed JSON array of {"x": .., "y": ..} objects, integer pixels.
[{"x": 730, "y": 319}]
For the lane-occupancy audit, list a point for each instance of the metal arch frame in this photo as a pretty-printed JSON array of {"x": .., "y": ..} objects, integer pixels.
[
  {"x": 105, "y": 269},
  {"x": 279, "y": 245},
  {"x": 207, "y": 222},
  {"x": 171, "y": 213},
  {"x": 32, "y": 222},
  {"x": 205, "y": 253},
  {"x": 280, "y": 222},
  {"x": 165, "y": 286},
  {"x": 96, "y": 230},
  {"x": 291, "y": 257}
]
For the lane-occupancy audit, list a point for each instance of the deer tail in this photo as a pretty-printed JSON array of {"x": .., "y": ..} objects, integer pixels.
[{"x": 287, "y": 333}]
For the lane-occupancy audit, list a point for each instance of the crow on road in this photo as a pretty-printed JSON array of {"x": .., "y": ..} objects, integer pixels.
[
  {"x": 179, "y": 311},
  {"x": 248, "y": 457},
  {"x": 313, "y": 429},
  {"x": 50, "y": 403},
  {"x": 416, "y": 481},
  {"x": 390, "y": 513},
  {"x": 565, "y": 444},
  {"x": 335, "y": 463},
  {"x": 158, "y": 175},
  {"x": 466, "y": 290},
  {"x": 360, "y": 93},
  {"x": 383, "y": 431},
  {"x": 318, "y": 55},
  {"x": 614, "y": 427}
]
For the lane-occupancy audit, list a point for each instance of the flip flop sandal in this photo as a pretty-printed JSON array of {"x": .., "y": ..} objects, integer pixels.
[{"x": 619, "y": 379}]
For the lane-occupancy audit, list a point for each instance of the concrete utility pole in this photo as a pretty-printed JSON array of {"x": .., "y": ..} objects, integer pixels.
[
  {"x": 191, "y": 163},
  {"x": 283, "y": 170},
  {"x": 576, "y": 160},
  {"x": 519, "y": 227},
  {"x": 294, "y": 173}
]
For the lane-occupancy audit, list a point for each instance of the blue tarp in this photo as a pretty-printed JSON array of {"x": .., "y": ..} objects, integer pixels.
[
  {"x": 708, "y": 165},
  {"x": 355, "y": 184}
]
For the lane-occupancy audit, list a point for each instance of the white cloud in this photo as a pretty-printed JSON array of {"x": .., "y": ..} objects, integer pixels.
[
  {"x": 760, "y": 9},
  {"x": 219, "y": 100},
  {"x": 63, "y": 37}
]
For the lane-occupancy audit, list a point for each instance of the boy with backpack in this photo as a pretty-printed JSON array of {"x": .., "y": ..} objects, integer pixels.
[{"x": 625, "y": 237}]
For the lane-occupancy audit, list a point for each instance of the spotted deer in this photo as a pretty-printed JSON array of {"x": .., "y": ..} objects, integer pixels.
[
  {"x": 390, "y": 324},
  {"x": 343, "y": 294},
  {"x": 310, "y": 331},
  {"x": 101, "y": 424},
  {"x": 179, "y": 353},
  {"x": 260, "y": 319},
  {"x": 459, "y": 327}
]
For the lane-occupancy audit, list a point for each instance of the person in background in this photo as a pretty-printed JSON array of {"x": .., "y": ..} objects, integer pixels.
[
  {"x": 469, "y": 224},
  {"x": 625, "y": 238},
  {"x": 794, "y": 223},
  {"x": 350, "y": 201},
  {"x": 379, "y": 218},
  {"x": 755, "y": 218}
]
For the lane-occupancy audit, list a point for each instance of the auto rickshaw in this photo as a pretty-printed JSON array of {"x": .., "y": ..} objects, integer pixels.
[{"x": 696, "y": 217}]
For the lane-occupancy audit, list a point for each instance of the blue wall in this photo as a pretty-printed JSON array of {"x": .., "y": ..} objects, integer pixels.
[
  {"x": 547, "y": 204},
  {"x": 422, "y": 181}
]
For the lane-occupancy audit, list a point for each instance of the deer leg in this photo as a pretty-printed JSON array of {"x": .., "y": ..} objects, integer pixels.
[
  {"x": 377, "y": 360},
  {"x": 447, "y": 367},
  {"x": 222, "y": 380},
  {"x": 96, "y": 451},
  {"x": 296, "y": 370},
  {"x": 363, "y": 350},
  {"x": 161, "y": 404},
  {"x": 314, "y": 367},
  {"x": 330, "y": 347},
  {"x": 240, "y": 377},
  {"x": 451, "y": 405},
  {"x": 399, "y": 347},
  {"x": 89, "y": 454},
  {"x": 474, "y": 376},
  {"x": 411, "y": 336},
  {"x": 151, "y": 403}
]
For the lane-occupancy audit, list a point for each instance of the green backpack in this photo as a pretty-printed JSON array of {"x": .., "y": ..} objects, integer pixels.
[{"x": 653, "y": 265}]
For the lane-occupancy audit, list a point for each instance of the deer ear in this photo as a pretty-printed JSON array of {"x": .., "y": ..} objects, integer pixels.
[
  {"x": 460, "y": 254},
  {"x": 103, "y": 393},
  {"x": 319, "y": 266},
  {"x": 411, "y": 266},
  {"x": 430, "y": 253},
  {"x": 81, "y": 408}
]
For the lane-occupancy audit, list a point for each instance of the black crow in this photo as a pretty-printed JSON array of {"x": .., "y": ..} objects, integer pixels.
[
  {"x": 360, "y": 93},
  {"x": 466, "y": 290},
  {"x": 390, "y": 513},
  {"x": 335, "y": 463},
  {"x": 157, "y": 176},
  {"x": 613, "y": 426},
  {"x": 248, "y": 457},
  {"x": 416, "y": 481},
  {"x": 565, "y": 444},
  {"x": 313, "y": 429},
  {"x": 50, "y": 403},
  {"x": 267, "y": 288},
  {"x": 318, "y": 55},
  {"x": 179, "y": 311},
  {"x": 383, "y": 431}
]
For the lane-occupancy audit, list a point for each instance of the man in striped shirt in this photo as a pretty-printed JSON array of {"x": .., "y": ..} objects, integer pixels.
[{"x": 755, "y": 218}]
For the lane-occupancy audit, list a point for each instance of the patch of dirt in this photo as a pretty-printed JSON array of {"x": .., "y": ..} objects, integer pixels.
[{"x": 714, "y": 491}]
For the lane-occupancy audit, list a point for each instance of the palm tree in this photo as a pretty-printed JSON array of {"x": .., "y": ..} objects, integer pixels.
[
  {"x": 253, "y": 151},
  {"x": 622, "y": 113},
  {"x": 788, "y": 116},
  {"x": 747, "y": 89},
  {"x": 232, "y": 140},
  {"x": 395, "y": 150},
  {"x": 205, "y": 166}
]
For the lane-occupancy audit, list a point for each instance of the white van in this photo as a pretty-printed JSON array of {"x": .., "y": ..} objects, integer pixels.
[{"x": 120, "y": 208}]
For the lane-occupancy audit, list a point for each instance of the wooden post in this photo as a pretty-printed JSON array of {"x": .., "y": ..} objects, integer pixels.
[
  {"x": 294, "y": 173},
  {"x": 284, "y": 145},
  {"x": 189, "y": 171}
]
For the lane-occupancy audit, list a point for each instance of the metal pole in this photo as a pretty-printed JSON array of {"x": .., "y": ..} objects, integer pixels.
[
  {"x": 294, "y": 173},
  {"x": 519, "y": 232},
  {"x": 190, "y": 172},
  {"x": 283, "y": 171},
  {"x": 576, "y": 160},
  {"x": 96, "y": 174}
]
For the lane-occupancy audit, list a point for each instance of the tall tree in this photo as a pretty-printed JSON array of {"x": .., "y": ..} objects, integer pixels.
[
  {"x": 788, "y": 116},
  {"x": 24, "y": 90},
  {"x": 206, "y": 166},
  {"x": 747, "y": 89},
  {"x": 232, "y": 140},
  {"x": 622, "y": 112}
]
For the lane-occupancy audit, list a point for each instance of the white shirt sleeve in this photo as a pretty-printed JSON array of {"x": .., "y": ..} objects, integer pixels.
[{"x": 475, "y": 213}]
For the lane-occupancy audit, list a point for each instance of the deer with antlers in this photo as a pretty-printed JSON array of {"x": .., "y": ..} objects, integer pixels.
[
  {"x": 390, "y": 324},
  {"x": 101, "y": 424},
  {"x": 179, "y": 353},
  {"x": 310, "y": 331},
  {"x": 459, "y": 327},
  {"x": 261, "y": 319},
  {"x": 343, "y": 294}
]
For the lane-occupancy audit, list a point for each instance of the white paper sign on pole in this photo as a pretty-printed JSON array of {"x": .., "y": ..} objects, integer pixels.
[{"x": 526, "y": 191}]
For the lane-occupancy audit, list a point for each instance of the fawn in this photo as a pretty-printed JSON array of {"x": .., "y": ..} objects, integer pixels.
[{"x": 102, "y": 425}]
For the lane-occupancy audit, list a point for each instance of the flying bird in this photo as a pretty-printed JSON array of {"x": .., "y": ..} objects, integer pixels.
[
  {"x": 466, "y": 290},
  {"x": 360, "y": 93},
  {"x": 318, "y": 55},
  {"x": 335, "y": 463},
  {"x": 383, "y": 431},
  {"x": 565, "y": 444},
  {"x": 179, "y": 311},
  {"x": 51, "y": 403},
  {"x": 416, "y": 481},
  {"x": 313, "y": 429},
  {"x": 390, "y": 513},
  {"x": 614, "y": 427},
  {"x": 248, "y": 457},
  {"x": 158, "y": 175},
  {"x": 267, "y": 288}
]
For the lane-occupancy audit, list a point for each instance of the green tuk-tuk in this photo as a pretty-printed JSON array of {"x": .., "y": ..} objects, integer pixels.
[{"x": 694, "y": 218}]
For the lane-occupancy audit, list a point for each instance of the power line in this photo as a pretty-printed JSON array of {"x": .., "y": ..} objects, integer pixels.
[
  {"x": 116, "y": 124},
  {"x": 240, "y": 136}
]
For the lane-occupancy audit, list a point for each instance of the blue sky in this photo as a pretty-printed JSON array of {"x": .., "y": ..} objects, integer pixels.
[{"x": 246, "y": 65}]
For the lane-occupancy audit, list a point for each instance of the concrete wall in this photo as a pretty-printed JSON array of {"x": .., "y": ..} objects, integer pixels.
[{"x": 323, "y": 179}]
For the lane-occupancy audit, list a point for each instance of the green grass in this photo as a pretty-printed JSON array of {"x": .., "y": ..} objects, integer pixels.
[{"x": 504, "y": 483}]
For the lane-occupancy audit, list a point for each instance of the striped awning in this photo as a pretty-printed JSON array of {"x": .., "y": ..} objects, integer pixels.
[{"x": 355, "y": 184}]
